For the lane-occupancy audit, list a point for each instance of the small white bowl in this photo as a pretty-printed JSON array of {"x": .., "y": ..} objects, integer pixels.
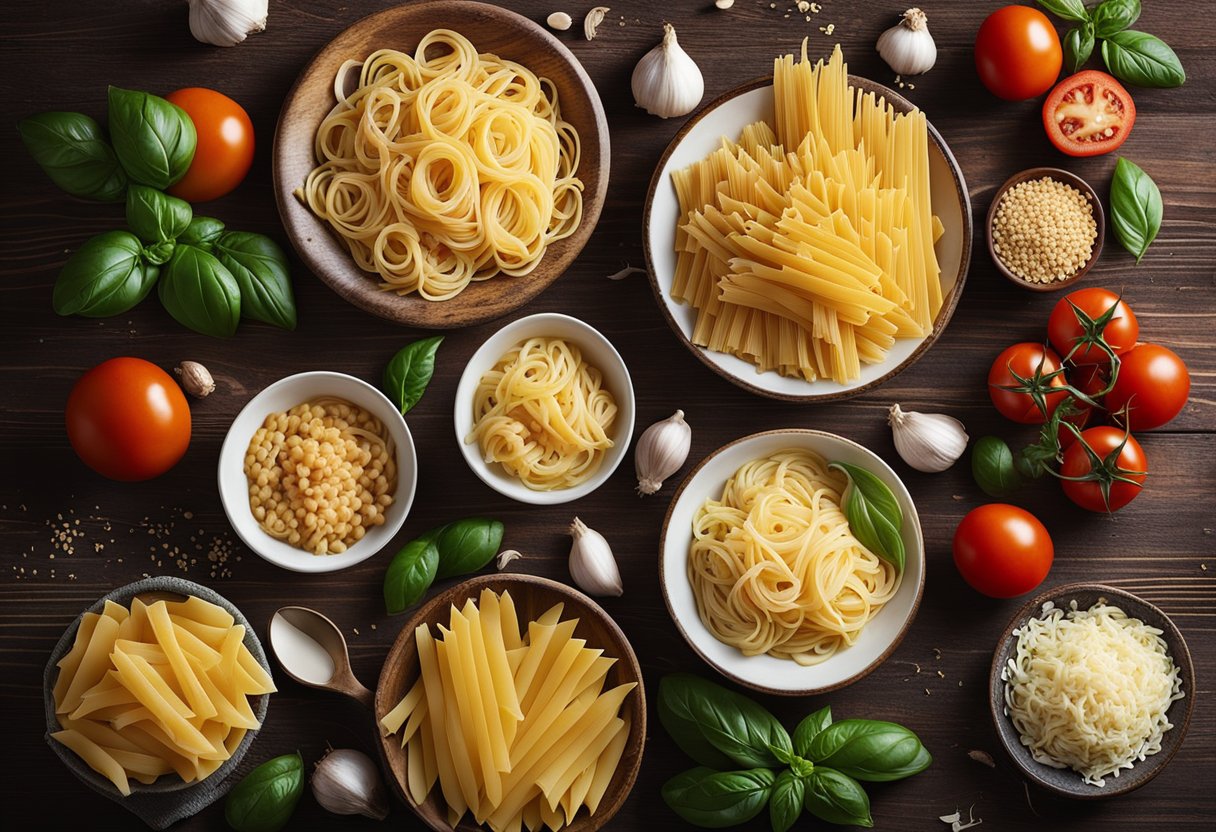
[
  {"x": 283, "y": 395},
  {"x": 767, "y": 673},
  {"x": 597, "y": 351}
]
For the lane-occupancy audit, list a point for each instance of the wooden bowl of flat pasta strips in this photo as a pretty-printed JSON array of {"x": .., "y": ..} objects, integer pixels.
[
  {"x": 532, "y": 596},
  {"x": 490, "y": 29}
]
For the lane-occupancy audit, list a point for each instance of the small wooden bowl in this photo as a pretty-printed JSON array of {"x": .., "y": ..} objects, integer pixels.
[
  {"x": 532, "y": 596},
  {"x": 1065, "y": 781},
  {"x": 491, "y": 29},
  {"x": 1067, "y": 178}
]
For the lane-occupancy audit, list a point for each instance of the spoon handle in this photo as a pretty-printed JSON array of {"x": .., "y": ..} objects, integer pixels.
[{"x": 355, "y": 690}]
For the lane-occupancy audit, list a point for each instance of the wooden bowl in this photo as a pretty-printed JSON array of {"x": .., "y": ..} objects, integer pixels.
[
  {"x": 1065, "y": 781},
  {"x": 491, "y": 29},
  {"x": 1068, "y": 178},
  {"x": 532, "y": 596}
]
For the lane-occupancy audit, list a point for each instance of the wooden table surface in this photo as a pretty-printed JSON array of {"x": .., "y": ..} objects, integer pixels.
[{"x": 61, "y": 54}]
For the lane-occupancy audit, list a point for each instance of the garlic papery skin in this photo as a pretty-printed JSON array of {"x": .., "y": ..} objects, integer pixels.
[
  {"x": 347, "y": 782},
  {"x": 226, "y": 22},
  {"x": 929, "y": 442},
  {"x": 666, "y": 82},
  {"x": 661, "y": 450},
  {"x": 591, "y": 562},
  {"x": 908, "y": 47}
]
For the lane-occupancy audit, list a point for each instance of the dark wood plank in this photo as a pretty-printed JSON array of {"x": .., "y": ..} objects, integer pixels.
[{"x": 61, "y": 54}]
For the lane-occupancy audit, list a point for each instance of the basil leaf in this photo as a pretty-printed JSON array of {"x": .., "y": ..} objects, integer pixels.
[
  {"x": 1067, "y": 9},
  {"x": 160, "y": 253},
  {"x": 718, "y": 727},
  {"x": 71, "y": 149},
  {"x": 992, "y": 466},
  {"x": 1114, "y": 16},
  {"x": 266, "y": 798},
  {"x": 154, "y": 138},
  {"x": 202, "y": 232},
  {"x": 837, "y": 798},
  {"x": 200, "y": 293},
  {"x": 410, "y": 371},
  {"x": 785, "y": 800},
  {"x": 1135, "y": 207},
  {"x": 261, "y": 270},
  {"x": 870, "y": 750},
  {"x": 467, "y": 545},
  {"x": 155, "y": 216},
  {"x": 106, "y": 276},
  {"x": 810, "y": 726},
  {"x": 410, "y": 575},
  {"x": 873, "y": 513},
  {"x": 1142, "y": 59},
  {"x": 1078, "y": 46},
  {"x": 715, "y": 799}
]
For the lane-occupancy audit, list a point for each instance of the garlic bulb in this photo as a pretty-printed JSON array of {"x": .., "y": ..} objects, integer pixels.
[
  {"x": 347, "y": 782},
  {"x": 907, "y": 47},
  {"x": 226, "y": 22},
  {"x": 666, "y": 82},
  {"x": 929, "y": 442},
  {"x": 591, "y": 562},
  {"x": 661, "y": 450}
]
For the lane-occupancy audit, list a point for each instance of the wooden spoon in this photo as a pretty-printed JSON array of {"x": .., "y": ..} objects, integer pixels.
[{"x": 325, "y": 633}]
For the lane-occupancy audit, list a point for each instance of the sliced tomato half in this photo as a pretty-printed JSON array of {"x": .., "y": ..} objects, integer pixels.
[{"x": 1088, "y": 114}]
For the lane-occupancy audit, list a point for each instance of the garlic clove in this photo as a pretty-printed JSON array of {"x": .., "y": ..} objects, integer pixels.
[
  {"x": 592, "y": 564},
  {"x": 592, "y": 21},
  {"x": 506, "y": 556},
  {"x": 929, "y": 442},
  {"x": 660, "y": 451},
  {"x": 195, "y": 379},
  {"x": 908, "y": 47},
  {"x": 226, "y": 22},
  {"x": 667, "y": 82},
  {"x": 559, "y": 21}
]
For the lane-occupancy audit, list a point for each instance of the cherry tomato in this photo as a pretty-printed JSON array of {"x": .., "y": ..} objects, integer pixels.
[
  {"x": 1108, "y": 467},
  {"x": 1017, "y": 53},
  {"x": 1088, "y": 114},
  {"x": 225, "y": 144},
  {"x": 1002, "y": 550},
  {"x": 1153, "y": 384},
  {"x": 1035, "y": 371},
  {"x": 128, "y": 420},
  {"x": 1074, "y": 326}
]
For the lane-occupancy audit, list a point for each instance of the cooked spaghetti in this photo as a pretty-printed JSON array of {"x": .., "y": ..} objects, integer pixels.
[
  {"x": 543, "y": 413},
  {"x": 321, "y": 474},
  {"x": 774, "y": 567},
  {"x": 446, "y": 166},
  {"x": 1089, "y": 689}
]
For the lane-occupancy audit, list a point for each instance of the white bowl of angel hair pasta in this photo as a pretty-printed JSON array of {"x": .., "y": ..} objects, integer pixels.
[
  {"x": 544, "y": 410},
  {"x": 824, "y": 610},
  {"x": 317, "y": 472}
]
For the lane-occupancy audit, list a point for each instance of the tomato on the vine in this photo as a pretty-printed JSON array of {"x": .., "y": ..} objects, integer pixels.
[
  {"x": 1153, "y": 385},
  {"x": 1104, "y": 469},
  {"x": 1017, "y": 53},
  {"x": 1082, "y": 320},
  {"x": 1026, "y": 383},
  {"x": 1088, "y": 114},
  {"x": 1002, "y": 550},
  {"x": 225, "y": 144}
]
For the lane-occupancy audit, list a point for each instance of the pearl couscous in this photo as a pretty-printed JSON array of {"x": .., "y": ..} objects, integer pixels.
[
  {"x": 1044, "y": 230},
  {"x": 320, "y": 475}
]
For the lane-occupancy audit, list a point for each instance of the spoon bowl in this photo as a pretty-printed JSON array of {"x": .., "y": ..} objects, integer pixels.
[{"x": 291, "y": 628}]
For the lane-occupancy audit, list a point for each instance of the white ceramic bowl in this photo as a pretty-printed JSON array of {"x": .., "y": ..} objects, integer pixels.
[
  {"x": 283, "y": 395},
  {"x": 597, "y": 351},
  {"x": 766, "y": 673}
]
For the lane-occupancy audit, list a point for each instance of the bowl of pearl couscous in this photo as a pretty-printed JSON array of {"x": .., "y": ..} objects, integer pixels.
[{"x": 317, "y": 472}]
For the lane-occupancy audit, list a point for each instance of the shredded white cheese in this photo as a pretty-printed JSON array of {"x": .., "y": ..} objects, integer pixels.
[{"x": 1089, "y": 689}]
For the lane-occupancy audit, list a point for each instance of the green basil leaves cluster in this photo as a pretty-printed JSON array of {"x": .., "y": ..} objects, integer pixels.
[
  {"x": 1133, "y": 57},
  {"x": 266, "y": 798},
  {"x": 458, "y": 548},
  {"x": 748, "y": 761}
]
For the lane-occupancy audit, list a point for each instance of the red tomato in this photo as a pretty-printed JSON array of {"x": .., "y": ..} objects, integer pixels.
[
  {"x": 1080, "y": 318},
  {"x": 1017, "y": 53},
  {"x": 1002, "y": 550},
  {"x": 128, "y": 420},
  {"x": 1035, "y": 371},
  {"x": 1153, "y": 384},
  {"x": 1107, "y": 467},
  {"x": 225, "y": 144},
  {"x": 1088, "y": 114}
]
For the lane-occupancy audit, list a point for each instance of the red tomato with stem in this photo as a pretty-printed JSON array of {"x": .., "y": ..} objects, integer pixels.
[
  {"x": 1002, "y": 550},
  {"x": 1026, "y": 383},
  {"x": 128, "y": 420},
  {"x": 225, "y": 144},
  {"x": 1088, "y": 114},
  {"x": 1017, "y": 53},
  {"x": 1104, "y": 469},
  {"x": 1153, "y": 384},
  {"x": 1085, "y": 320}
]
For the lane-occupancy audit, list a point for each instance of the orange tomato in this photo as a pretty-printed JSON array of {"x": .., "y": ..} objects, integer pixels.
[
  {"x": 225, "y": 144},
  {"x": 1017, "y": 53}
]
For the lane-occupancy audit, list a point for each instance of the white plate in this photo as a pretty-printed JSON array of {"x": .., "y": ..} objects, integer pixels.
[
  {"x": 283, "y": 395},
  {"x": 766, "y": 673},
  {"x": 727, "y": 117},
  {"x": 598, "y": 352}
]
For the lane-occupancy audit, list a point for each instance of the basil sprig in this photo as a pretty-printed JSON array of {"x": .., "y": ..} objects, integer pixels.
[
  {"x": 108, "y": 275},
  {"x": 409, "y": 372},
  {"x": 71, "y": 149},
  {"x": 457, "y": 548},
  {"x": 154, "y": 138},
  {"x": 266, "y": 798},
  {"x": 873, "y": 513},
  {"x": 1135, "y": 207},
  {"x": 1133, "y": 57}
]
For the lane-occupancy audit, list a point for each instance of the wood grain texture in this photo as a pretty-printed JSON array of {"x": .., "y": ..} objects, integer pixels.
[{"x": 60, "y": 54}]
